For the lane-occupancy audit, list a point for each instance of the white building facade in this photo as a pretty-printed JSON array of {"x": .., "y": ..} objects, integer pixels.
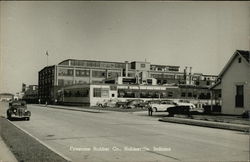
[{"x": 234, "y": 82}]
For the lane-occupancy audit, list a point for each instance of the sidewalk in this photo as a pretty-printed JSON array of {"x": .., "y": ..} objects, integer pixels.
[
  {"x": 220, "y": 125},
  {"x": 5, "y": 154}
]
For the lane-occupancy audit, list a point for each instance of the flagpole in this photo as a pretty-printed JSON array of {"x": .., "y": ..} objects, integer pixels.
[{"x": 47, "y": 54}]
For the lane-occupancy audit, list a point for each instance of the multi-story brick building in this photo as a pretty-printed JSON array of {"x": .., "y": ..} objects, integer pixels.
[{"x": 70, "y": 72}]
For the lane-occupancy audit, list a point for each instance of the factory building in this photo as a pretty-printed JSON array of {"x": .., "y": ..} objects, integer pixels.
[{"x": 77, "y": 72}]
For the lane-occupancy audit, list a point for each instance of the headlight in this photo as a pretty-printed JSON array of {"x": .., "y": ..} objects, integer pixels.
[
  {"x": 14, "y": 110},
  {"x": 25, "y": 110}
]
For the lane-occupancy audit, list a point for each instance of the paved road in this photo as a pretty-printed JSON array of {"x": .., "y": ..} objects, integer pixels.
[{"x": 131, "y": 137}]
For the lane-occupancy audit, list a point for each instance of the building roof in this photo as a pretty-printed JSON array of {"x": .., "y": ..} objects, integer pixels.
[
  {"x": 89, "y": 61},
  {"x": 244, "y": 54},
  {"x": 6, "y": 94}
]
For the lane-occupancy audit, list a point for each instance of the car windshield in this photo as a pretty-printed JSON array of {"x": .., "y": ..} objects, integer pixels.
[
  {"x": 184, "y": 101},
  {"x": 17, "y": 104}
]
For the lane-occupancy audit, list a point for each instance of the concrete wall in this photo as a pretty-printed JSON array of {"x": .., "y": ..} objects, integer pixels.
[{"x": 236, "y": 74}]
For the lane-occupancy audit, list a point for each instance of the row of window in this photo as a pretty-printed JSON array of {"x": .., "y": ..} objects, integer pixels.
[
  {"x": 86, "y": 73},
  {"x": 144, "y": 94},
  {"x": 62, "y": 82},
  {"x": 159, "y": 94},
  {"x": 97, "y": 64},
  {"x": 167, "y": 76},
  {"x": 76, "y": 93}
]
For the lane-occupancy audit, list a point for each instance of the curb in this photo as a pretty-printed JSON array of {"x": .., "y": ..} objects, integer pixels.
[
  {"x": 210, "y": 124},
  {"x": 42, "y": 143}
]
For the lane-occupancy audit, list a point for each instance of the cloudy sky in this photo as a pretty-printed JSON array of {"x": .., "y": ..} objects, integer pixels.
[{"x": 199, "y": 34}]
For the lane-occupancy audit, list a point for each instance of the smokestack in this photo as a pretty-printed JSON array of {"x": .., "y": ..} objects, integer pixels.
[
  {"x": 190, "y": 70},
  {"x": 190, "y": 75},
  {"x": 126, "y": 68}
]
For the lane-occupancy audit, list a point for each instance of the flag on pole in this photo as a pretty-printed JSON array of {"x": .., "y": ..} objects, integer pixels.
[{"x": 47, "y": 53}]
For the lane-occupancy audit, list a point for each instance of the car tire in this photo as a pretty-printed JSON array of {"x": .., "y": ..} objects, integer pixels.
[
  {"x": 28, "y": 118},
  {"x": 8, "y": 117}
]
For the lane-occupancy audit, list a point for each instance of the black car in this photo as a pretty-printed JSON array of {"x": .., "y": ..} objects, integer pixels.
[
  {"x": 18, "y": 109},
  {"x": 133, "y": 103}
]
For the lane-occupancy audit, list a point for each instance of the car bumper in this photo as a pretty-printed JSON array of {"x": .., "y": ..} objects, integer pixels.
[{"x": 19, "y": 116}]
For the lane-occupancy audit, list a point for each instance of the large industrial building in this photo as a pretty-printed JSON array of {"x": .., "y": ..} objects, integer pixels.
[{"x": 73, "y": 72}]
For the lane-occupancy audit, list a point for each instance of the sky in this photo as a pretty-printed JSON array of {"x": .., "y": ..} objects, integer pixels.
[{"x": 203, "y": 35}]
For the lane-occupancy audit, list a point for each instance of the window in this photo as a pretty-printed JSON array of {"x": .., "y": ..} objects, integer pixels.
[
  {"x": 65, "y": 72},
  {"x": 113, "y": 74},
  {"x": 189, "y": 94},
  {"x": 101, "y": 92},
  {"x": 239, "y": 97},
  {"x": 239, "y": 60},
  {"x": 143, "y": 65},
  {"x": 60, "y": 82},
  {"x": 170, "y": 94},
  {"x": 97, "y": 92},
  {"x": 105, "y": 92},
  {"x": 99, "y": 74},
  {"x": 83, "y": 73},
  {"x": 183, "y": 94}
]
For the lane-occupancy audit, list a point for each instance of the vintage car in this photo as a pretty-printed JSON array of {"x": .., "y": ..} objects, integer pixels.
[
  {"x": 162, "y": 105},
  {"x": 133, "y": 104},
  {"x": 192, "y": 107},
  {"x": 18, "y": 109},
  {"x": 107, "y": 103}
]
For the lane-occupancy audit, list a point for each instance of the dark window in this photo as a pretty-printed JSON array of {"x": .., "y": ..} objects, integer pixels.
[
  {"x": 97, "y": 92},
  {"x": 208, "y": 96},
  {"x": 128, "y": 80},
  {"x": 149, "y": 81},
  {"x": 239, "y": 97},
  {"x": 202, "y": 96},
  {"x": 239, "y": 60},
  {"x": 170, "y": 94},
  {"x": 189, "y": 94},
  {"x": 183, "y": 94}
]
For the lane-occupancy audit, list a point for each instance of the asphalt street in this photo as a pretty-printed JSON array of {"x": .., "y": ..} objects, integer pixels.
[{"x": 121, "y": 136}]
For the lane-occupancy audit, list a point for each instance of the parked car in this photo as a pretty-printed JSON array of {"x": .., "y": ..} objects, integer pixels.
[
  {"x": 107, "y": 103},
  {"x": 133, "y": 104},
  {"x": 18, "y": 109},
  {"x": 147, "y": 103},
  {"x": 246, "y": 114},
  {"x": 178, "y": 110},
  {"x": 121, "y": 104},
  {"x": 162, "y": 105},
  {"x": 192, "y": 107}
]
